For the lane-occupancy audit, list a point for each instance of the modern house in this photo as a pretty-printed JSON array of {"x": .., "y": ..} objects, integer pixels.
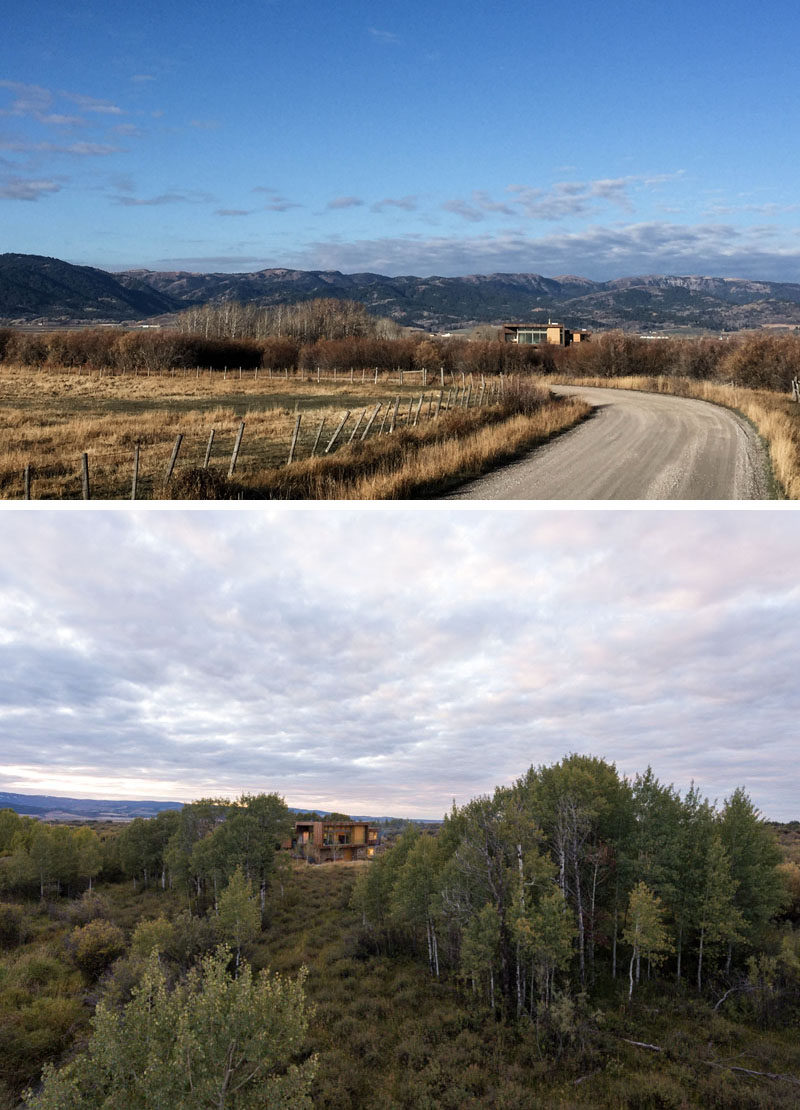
[
  {"x": 331, "y": 841},
  {"x": 536, "y": 334}
]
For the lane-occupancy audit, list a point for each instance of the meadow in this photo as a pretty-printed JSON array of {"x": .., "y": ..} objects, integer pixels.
[{"x": 402, "y": 436}]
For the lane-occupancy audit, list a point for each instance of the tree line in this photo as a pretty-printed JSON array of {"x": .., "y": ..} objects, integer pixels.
[
  {"x": 181, "y": 1018},
  {"x": 754, "y": 360},
  {"x": 531, "y": 895},
  {"x": 306, "y": 322},
  {"x": 196, "y": 849},
  {"x": 338, "y": 334},
  {"x": 325, "y": 336}
]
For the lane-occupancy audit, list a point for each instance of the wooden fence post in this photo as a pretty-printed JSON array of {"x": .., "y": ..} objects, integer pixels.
[
  {"x": 27, "y": 476},
  {"x": 173, "y": 457},
  {"x": 236, "y": 447},
  {"x": 419, "y": 409},
  {"x": 319, "y": 434},
  {"x": 294, "y": 438},
  {"x": 357, "y": 425},
  {"x": 394, "y": 414},
  {"x": 135, "y": 472},
  {"x": 208, "y": 450},
  {"x": 335, "y": 435},
  {"x": 369, "y": 423},
  {"x": 85, "y": 477},
  {"x": 438, "y": 404},
  {"x": 376, "y": 375}
]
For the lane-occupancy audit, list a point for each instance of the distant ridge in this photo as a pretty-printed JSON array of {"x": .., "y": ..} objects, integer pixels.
[
  {"x": 47, "y": 807},
  {"x": 33, "y": 286},
  {"x": 50, "y": 808},
  {"x": 38, "y": 289}
]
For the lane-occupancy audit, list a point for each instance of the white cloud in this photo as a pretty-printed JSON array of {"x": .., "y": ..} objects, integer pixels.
[
  {"x": 388, "y": 37},
  {"x": 600, "y": 252},
  {"x": 345, "y": 202},
  {"x": 18, "y": 188}
]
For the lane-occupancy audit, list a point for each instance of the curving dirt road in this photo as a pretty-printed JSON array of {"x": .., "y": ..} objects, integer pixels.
[{"x": 637, "y": 446}]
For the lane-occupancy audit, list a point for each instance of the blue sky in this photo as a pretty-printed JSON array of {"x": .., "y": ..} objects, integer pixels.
[
  {"x": 388, "y": 661},
  {"x": 602, "y": 140}
]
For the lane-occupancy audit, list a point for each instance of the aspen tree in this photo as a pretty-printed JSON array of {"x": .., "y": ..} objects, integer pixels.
[{"x": 645, "y": 931}]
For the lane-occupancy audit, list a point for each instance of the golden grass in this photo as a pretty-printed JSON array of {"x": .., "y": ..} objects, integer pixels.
[
  {"x": 51, "y": 417},
  {"x": 775, "y": 416},
  {"x": 435, "y": 468},
  {"x": 425, "y": 461}
]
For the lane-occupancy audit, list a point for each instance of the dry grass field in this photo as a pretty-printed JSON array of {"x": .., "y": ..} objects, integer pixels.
[{"x": 51, "y": 417}]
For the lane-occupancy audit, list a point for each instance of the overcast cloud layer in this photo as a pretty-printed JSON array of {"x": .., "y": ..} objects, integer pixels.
[{"x": 390, "y": 661}]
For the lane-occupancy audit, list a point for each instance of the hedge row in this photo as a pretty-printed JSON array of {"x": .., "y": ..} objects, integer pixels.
[
  {"x": 138, "y": 351},
  {"x": 755, "y": 360}
]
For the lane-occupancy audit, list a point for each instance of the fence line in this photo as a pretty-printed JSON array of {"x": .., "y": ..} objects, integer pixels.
[
  {"x": 335, "y": 374},
  {"x": 438, "y": 401}
]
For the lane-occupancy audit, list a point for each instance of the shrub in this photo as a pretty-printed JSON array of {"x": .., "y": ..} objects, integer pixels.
[
  {"x": 6, "y": 335},
  {"x": 88, "y": 907},
  {"x": 29, "y": 349},
  {"x": 95, "y": 946},
  {"x": 87, "y": 347},
  {"x": 14, "y": 926},
  {"x": 157, "y": 934}
]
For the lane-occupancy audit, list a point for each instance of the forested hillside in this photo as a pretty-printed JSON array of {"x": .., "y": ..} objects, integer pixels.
[{"x": 573, "y": 939}]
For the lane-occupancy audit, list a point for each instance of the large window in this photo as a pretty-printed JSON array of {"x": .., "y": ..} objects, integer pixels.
[{"x": 532, "y": 335}]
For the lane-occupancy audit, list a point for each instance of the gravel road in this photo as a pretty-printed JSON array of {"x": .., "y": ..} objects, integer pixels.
[{"x": 637, "y": 446}]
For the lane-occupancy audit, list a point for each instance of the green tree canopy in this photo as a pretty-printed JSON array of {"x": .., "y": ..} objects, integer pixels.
[{"x": 211, "y": 1041}]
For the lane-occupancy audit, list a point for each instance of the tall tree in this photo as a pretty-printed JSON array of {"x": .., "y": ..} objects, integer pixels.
[
  {"x": 238, "y": 917},
  {"x": 89, "y": 853},
  {"x": 754, "y": 859},
  {"x": 719, "y": 920},
  {"x": 645, "y": 931},
  {"x": 414, "y": 893}
]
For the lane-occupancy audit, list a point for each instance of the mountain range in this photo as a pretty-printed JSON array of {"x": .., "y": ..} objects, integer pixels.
[{"x": 35, "y": 289}]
